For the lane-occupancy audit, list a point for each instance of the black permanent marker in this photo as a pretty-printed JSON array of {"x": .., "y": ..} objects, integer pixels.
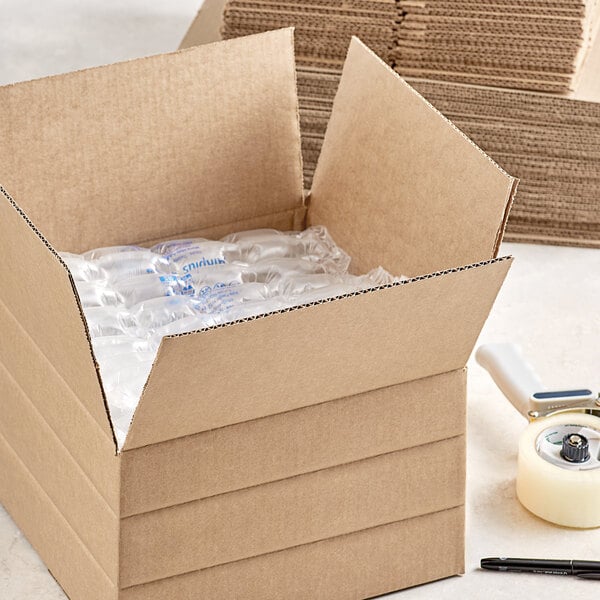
[{"x": 586, "y": 569}]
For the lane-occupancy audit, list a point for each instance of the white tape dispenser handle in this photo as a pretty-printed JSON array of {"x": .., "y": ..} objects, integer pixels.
[{"x": 511, "y": 373}]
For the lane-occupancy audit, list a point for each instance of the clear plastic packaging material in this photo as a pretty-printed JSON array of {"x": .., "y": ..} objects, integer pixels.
[
  {"x": 311, "y": 288},
  {"x": 110, "y": 348},
  {"x": 160, "y": 317},
  {"x": 188, "y": 256},
  {"x": 126, "y": 264},
  {"x": 82, "y": 269},
  {"x": 313, "y": 243},
  {"x": 170, "y": 247},
  {"x": 128, "y": 378},
  {"x": 109, "y": 321},
  {"x": 187, "y": 325},
  {"x": 133, "y": 297},
  {"x": 97, "y": 293},
  {"x": 133, "y": 366},
  {"x": 254, "y": 308},
  {"x": 155, "y": 313},
  {"x": 123, "y": 397},
  {"x": 380, "y": 276},
  {"x": 295, "y": 287},
  {"x": 125, "y": 364},
  {"x": 220, "y": 299},
  {"x": 99, "y": 253},
  {"x": 268, "y": 272},
  {"x": 273, "y": 271},
  {"x": 134, "y": 290},
  {"x": 223, "y": 276},
  {"x": 121, "y": 420},
  {"x": 132, "y": 375}
]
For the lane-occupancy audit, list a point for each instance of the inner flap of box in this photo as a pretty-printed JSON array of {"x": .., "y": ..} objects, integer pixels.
[
  {"x": 315, "y": 354},
  {"x": 156, "y": 148},
  {"x": 397, "y": 184}
]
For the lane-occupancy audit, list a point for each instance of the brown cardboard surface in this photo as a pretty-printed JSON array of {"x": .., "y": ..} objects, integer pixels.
[
  {"x": 206, "y": 25},
  {"x": 292, "y": 443},
  {"x": 67, "y": 486},
  {"x": 538, "y": 47},
  {"x": 351, "y": 567},
  {"x": 543, "y": 237},
  {"x": 284, "y": 221},
  {"x": 38, "y": 292},
  {"x": 60, "y": 408},
  {"x": 552, "y": 143},
  {"x": 376, "y": 25},
  {"x": 281, "y": 366},
  {"x": 438, "y": 200},
  {"x": 273, "y": 517},
  {"x": 62, "y": 551},
  {"x": 127, "y": 153},
  {"x": 443, "y": 41}
]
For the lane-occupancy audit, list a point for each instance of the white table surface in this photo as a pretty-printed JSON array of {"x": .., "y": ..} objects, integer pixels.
[{"x": 550, "y": 304}]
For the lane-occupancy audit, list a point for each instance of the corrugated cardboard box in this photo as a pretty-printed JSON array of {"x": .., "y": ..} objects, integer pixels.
[{"x": 312, "y": 453}]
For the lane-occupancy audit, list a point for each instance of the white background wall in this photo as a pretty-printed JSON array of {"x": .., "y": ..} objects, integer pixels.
[{"x": 55, "y": 36}]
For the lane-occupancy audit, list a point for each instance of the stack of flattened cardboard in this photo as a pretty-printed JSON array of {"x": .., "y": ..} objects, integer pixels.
[
  {"x": 315, "y": 453},
  {"x": 316, "y": 91},
  {"x": 525, "y": 44},
  {"x": 553, "y": 143},
  {"x": 550, "y": 141},
  {"x": 374, "y": 21},
  {"x": 320, "y": 57}
]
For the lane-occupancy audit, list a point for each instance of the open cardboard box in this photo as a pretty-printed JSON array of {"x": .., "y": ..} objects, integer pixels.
[{"x": 312, "y": 453}]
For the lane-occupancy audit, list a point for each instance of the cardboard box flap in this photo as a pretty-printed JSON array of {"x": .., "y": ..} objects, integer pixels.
[
  {"x": 158, "y": 147},
  {"x": 284, "y": 361},
  {"x": 38, "y": 293},
  {"x": 206, "y": 27},
  {"x": 397, "y": 184}
]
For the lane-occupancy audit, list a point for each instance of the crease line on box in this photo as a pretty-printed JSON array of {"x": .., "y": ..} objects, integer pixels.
[
  {"x": 285, "y": 412},
  {"x": 322, "y": 540},
  {"x": 66, "y": 386},
  {"x": 295, "y": 476},
  {"x": 50, "y": 502}
]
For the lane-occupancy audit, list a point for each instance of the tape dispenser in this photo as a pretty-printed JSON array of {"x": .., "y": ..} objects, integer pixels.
[{"x": 558, "y": 477}]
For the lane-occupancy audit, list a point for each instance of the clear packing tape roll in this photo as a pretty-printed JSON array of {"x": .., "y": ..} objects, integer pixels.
[{"x": 550, "y": 487}]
